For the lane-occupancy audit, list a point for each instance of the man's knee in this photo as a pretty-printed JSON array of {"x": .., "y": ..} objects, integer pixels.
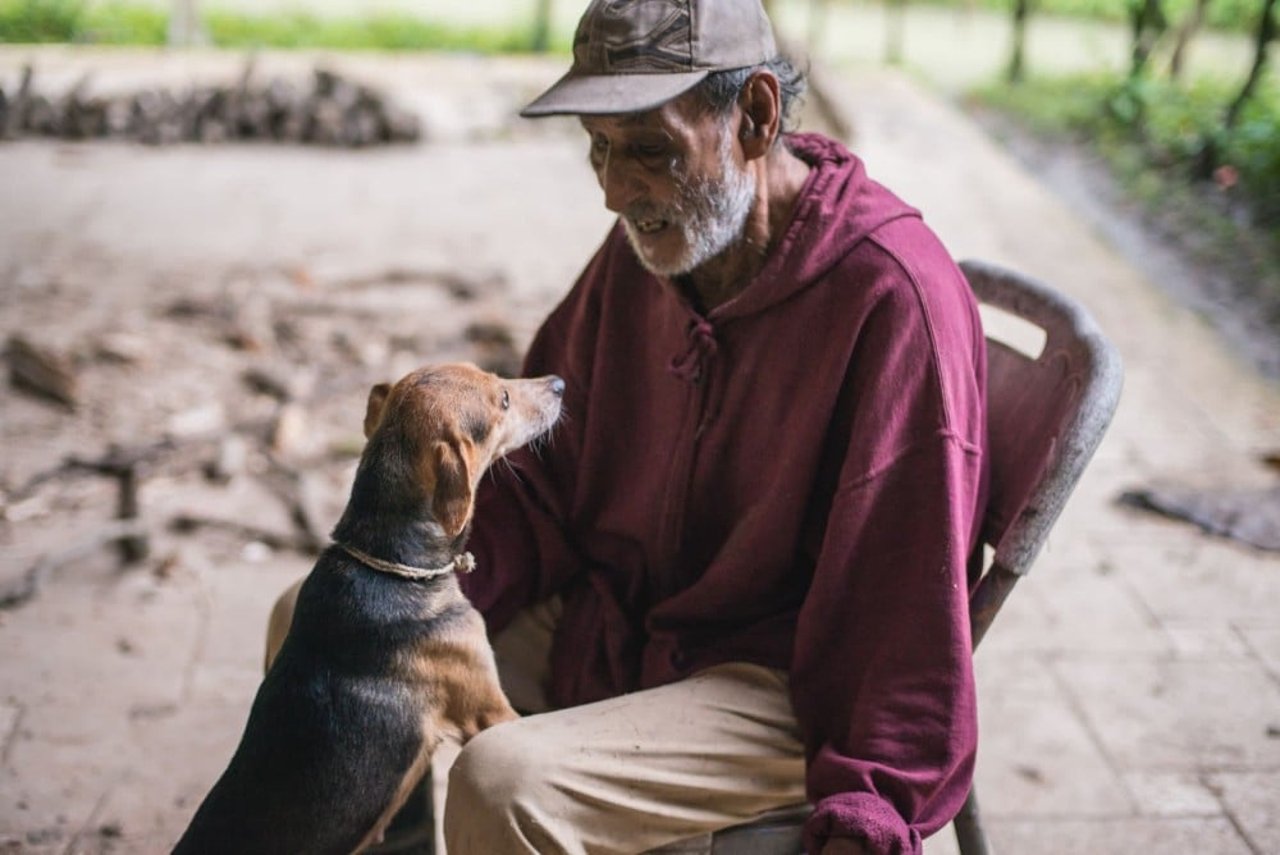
[
  {"x": 496, "y": 786},
  {"x": 495, "y": 769}
]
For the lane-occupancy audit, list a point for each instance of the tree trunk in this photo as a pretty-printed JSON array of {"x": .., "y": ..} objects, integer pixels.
[
  {"x": 185, "y": 29},
  {"x": 1210, "y": 153},
  {"x": 1189, "y": 28},
  {"x": 1017, "y": 63},
  {"x": 1266, "y": 34},
  {"x": 542, "y": 27},
  {"x": 895, "y": 25},
  {"x": 1148, "y": 22}
]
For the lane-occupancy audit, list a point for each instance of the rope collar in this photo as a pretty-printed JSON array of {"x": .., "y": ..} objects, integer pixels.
[{"x": 463, "y": 563}]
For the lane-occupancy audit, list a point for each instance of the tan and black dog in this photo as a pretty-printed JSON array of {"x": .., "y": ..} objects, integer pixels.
[{"x": 384, "y": 656}]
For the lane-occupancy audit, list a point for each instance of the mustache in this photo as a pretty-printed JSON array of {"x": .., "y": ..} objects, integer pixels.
[{"x": 653, "y": 211}]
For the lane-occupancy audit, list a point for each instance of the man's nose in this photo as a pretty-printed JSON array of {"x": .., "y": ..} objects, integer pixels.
[{"x": 621, "y": 185}]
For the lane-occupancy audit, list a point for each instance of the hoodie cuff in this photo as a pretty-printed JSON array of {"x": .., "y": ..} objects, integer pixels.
[{"x": 864, "y": 817}]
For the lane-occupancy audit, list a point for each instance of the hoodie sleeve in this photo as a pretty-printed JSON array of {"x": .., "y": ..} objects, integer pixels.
[
  {"x": 521, "y": 533},
  {"x": 882, "y": 678}
]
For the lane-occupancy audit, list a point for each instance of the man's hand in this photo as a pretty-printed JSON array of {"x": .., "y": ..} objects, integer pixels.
[{"x": 844, "y": 846}]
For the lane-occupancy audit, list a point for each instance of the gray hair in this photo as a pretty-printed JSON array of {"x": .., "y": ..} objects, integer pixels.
[{"x": 720, "y": 89}]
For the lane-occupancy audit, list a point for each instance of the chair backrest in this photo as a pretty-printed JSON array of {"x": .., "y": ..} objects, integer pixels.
[{"x": 1050, "y": 396}]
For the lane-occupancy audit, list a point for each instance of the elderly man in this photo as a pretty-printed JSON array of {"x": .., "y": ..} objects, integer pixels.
[{"x": 738, "y": 577}]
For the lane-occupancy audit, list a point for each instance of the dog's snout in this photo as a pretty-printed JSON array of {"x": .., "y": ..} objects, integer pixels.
[{"x": 556, "y": 385}]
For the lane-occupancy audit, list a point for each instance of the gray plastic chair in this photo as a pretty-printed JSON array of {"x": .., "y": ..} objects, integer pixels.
[{"x": 1048, "y": 406}]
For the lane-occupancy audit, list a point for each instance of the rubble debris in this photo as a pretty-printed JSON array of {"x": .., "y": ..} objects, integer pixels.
[
  {"x": 167, "y": 565},
  {"x": 304, "y": 496},
  {"x": 284, "y": 385},
  {"x": 231, "y": 460},
  {"x": 197, "y": 421},
  {"x": 28, "y": 508},
  {"x": 496, "y": 349},
  {"x": 359, "y": 349},
  {"x": 460, "y": 286},
  {"x": 274, "y": 540},
  {"x": 333, "y": 111},
  {"x": 16, "y": 108},
  {"x": 121, "y": 348},
  {"x": 291, "y": 432},
  {"x": 134, "y": 547},
  {"x": 1250, "y": 516},
  {"x": 199, "y": 309},
  {"x": 42, "y": 371}
]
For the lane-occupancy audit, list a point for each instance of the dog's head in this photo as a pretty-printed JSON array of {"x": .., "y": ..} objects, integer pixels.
[{"x": 455, "y": 420}]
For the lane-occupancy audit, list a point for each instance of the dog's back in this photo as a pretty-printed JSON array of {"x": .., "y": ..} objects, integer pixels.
[{"x": 334, "y": 728}]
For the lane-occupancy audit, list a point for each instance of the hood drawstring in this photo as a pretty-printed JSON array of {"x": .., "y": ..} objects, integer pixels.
[{"x": 691, "y": 365}]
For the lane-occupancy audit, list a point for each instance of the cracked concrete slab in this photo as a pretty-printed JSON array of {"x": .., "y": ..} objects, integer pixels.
[
  {"x": 1160, "y": 713},
  {"x": 1251, "y": 799}
]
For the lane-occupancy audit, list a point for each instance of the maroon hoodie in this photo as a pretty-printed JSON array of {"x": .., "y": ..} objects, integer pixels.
[{"x": 795, "y": 479}]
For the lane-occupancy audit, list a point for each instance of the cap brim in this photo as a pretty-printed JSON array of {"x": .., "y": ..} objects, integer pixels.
[{"x": 611, "y": 94}]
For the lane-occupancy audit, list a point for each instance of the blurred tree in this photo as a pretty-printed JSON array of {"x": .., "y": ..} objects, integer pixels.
[
  {"x": 1190, "y": 26},
  {"x": 894, "y": 29},
  {"x": 1148, "y": 23},
  {"x": 1262, "y": 42},
  {"x": 185, "y": 28},
  {"x": 1017, "y": 62},
  {"x": 1210, "y": 155},
  {"x": 542, "y": 27}
]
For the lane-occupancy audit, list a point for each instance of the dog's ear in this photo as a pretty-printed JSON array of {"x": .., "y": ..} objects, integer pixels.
[
  {"x": 451, "y": 504},
  {"x": 373, "y": 411}
]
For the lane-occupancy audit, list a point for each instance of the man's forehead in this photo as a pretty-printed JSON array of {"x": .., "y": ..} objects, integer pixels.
[
  {"x": 625, "y": 121},
  {"x": 676, "y": 111}
]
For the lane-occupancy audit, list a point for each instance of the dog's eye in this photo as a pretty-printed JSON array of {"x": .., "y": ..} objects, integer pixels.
[{"x": 506, "y": 399}]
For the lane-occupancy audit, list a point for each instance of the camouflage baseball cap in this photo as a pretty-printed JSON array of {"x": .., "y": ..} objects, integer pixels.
[{"x": 635, "y": 55}]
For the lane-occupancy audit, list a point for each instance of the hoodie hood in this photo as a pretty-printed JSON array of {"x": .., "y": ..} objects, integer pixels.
[{"x": 839, "y": 206}]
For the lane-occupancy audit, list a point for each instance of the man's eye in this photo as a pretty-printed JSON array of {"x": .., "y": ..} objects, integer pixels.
[{"x": 649, "y": 150}]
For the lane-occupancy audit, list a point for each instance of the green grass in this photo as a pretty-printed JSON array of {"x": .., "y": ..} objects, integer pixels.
[
  {"x": 1235, "y": 15},
  {"x": 1151, "y": 133},
  {"x": 378, "y": 32},
  {"x": 124, "y": 23}
]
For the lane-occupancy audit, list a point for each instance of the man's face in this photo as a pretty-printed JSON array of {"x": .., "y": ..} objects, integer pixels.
[{"x": 673, "y": 177}]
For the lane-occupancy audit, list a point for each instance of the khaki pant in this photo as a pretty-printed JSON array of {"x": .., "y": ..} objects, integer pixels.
[{"x": 623, "y": 775}]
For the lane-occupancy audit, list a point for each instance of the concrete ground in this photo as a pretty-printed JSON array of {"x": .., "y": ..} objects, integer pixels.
[{"x": 1130, "y": 690}]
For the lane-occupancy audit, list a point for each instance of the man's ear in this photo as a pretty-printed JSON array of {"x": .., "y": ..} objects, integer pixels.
[
  {"x": 453, "y": 499},
  {"x": 760, "y": 122},
  {"x": 373, "y": 411}
]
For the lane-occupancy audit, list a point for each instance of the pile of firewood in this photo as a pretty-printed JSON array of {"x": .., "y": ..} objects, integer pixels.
[{"x": 333, "y": 111}]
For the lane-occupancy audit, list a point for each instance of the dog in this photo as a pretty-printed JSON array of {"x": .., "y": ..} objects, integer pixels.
[{"x": 384, "y": 656}]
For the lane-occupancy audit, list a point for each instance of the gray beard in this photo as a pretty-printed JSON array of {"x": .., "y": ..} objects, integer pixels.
[{"x": 710, "y": 213}]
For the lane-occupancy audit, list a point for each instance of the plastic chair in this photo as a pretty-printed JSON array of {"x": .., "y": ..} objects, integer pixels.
[
  {"x": 1049, "y": 402},
  {"x": 1046, "y": 415}
]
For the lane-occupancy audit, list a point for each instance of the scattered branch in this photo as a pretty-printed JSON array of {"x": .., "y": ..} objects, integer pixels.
[{"x": 22, "y": 590}]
